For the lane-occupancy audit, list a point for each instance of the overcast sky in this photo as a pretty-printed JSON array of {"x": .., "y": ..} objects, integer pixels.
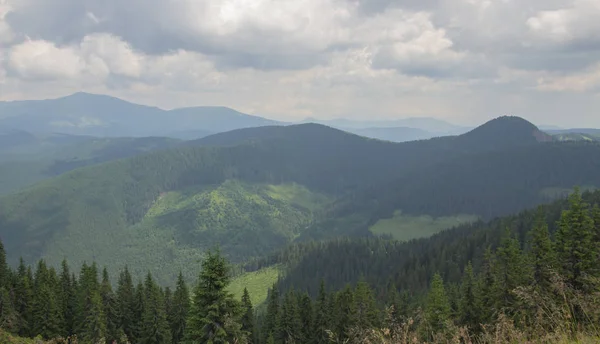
[{"x": 462, "y": 60}]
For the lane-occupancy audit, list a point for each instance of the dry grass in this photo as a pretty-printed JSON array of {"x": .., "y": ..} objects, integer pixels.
[{"x": 561, "y": 315}]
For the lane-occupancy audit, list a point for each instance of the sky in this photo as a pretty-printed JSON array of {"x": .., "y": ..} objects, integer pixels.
[{"x": 465, "y": 61}]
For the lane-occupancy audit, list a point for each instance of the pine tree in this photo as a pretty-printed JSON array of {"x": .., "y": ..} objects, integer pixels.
[
  {"x": 4, "y": 270},
  {"x": 575, "y": 248},
  {"x": 485, "y": 284},
  {"x": 306, "y": 317},
  {"x": 596, "y": 219},
  {"x": 248, "y": 323},
  {"x": 138, "y": 305},
  {"x": 542, "y": 254},
  {"x": 271, "y": 321},
  {"x": 437, "y": 310},
  {"x": 214, "y": 315},
  {"x": 179, "y": 310},
  {"x": 155, "y": 327},
  {"x": 290, "y": 326},
  {"x": 322, "y": 313},
  {"x": 110, "y": 308},
  {"x": 125, "y": 301},
  {"x": 24, "y": 300},
  {"x": 46, "y": 316},
  {"x": 68, "y": 300},
  {"x": 345, "y": 313},
  {"x": 92, "y": 321},
  {"x": 168, "y": 297},
  {"x": 367, "y": 314},
  {"x": 8, "y": 315},
  {"x": 469, "y": 304},
  {"x": 511, "y": 271}
]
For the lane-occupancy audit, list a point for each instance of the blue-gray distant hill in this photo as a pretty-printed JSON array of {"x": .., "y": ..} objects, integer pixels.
[{"x": 105, "y": 116}]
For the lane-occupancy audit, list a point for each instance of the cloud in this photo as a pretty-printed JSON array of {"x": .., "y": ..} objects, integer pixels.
[
  {"x": 460, "y": 59},
  {"x": 6, "y": 34},
  {"x": 576, "y": 26},
  {"x": 43, "y": 60}
]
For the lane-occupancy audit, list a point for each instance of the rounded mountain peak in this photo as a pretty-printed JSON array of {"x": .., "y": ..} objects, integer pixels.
[{"x": 505, "y": 131}]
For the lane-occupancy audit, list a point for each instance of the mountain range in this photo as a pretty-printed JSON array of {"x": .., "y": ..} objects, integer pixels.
[
  {"x": 104, "y": 116},
  {"x": 254, "y": 190}
]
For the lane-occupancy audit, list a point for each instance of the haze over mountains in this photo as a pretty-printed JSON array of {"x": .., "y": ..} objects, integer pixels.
[
  {"x": 255, "y": 190},
  {"x": 105, "y": 116}
]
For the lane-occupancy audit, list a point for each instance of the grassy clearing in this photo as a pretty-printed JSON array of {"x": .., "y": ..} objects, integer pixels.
[
  {"x": 257, "y": 283},
  {"x": 406, "y": 227},
  {"x": 297, "y": 195}
]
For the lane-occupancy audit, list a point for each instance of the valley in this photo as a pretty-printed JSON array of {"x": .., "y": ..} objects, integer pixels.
[{"x": 286, "y": 215}]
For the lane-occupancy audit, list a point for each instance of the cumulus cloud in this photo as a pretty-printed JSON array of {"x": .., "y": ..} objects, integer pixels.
[
  {"x": 309, "y": 58},
  {"x": 43, "y": 60},
  {"x": 572, "y": 25}
]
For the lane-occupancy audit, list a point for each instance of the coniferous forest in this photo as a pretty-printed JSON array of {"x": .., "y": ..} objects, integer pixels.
[{"x": 540, "y": 285}]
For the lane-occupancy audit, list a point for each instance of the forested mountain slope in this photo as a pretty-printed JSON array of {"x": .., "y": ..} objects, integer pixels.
[
  {"x": 159, "y": 208},
  {"x": 255, "y": 190},
  {"x": 26, "y": 158},
  {"x": 408, "y": 265}
]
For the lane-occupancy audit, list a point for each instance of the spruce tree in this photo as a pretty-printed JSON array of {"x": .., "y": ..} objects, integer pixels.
[
  {"x": 168, "y": 298},
  {"x": 367, "y": 314},
  {"x": 248, "y": 323},
  {"x": 469, "y": 303},
  {"x": 68, "y": 300},
  {"x": 271, "y": 320},
  {"x": 306, "y": 317},
  {"x": 4, "y": 270},
  {"x": 575, "y": 248},
  {"x": 290, "y": 326},
  {"x": 180, "y": 308},
  {"x": 511, "y": 271},
  {"x": 125, "y": 302},
  {"x": 543, "y": 259},
  {"x": 8, "y": 315},
  {"x": 46, "y": 315},
  {"x": 91, "y": 317},
  {"x": 345, "y": 313},
  {"x": 485, "y": 284},
  {"x": 110, "y": 308},
  {"x": 214, "y": 314},
  {"x": 155, "y": 327},
  {"x": 24, "y": 300},
  {"x": 322, "y": 312},
  {"x": 138, "y": 305},
  {"x": 596, "y": 219},
  {"x": 437, "y": 309}
]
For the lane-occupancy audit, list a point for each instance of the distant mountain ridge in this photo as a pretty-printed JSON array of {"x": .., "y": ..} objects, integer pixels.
[
  {"x": 256, "y": 189},
  {"x": 105, "y": 116}
]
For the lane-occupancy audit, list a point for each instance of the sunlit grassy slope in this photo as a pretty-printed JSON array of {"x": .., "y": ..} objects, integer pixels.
[
  {"x": 243, "y": 219},
  {"x": 257, "y": 283},
  {"x": 406, "y": 227}
]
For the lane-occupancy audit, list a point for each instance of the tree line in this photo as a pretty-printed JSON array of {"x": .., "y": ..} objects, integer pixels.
[
  {"x": 41, "y": 302},
  {"x": 548, "y": 284}
]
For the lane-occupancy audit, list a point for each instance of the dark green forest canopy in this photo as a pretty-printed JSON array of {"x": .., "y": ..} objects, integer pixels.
[
  {"x": 527, "y": 259},
  {"x": 408, "y": 265},
  {"x": 167, "y": 207}
]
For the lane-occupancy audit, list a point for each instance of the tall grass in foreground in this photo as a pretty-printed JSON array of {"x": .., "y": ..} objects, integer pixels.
[{"x": 564, "y": 316}]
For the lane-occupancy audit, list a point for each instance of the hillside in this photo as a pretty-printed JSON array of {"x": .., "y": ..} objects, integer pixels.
[
  {"x": 255, "y": 190},
  {"x": 394, "y": 134},
  {"x": 189, "y": 198},
  {"x": 100, "y": 115},
  {"x": 408, "y": 265},
  {"x": 29, "y": 158}
]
